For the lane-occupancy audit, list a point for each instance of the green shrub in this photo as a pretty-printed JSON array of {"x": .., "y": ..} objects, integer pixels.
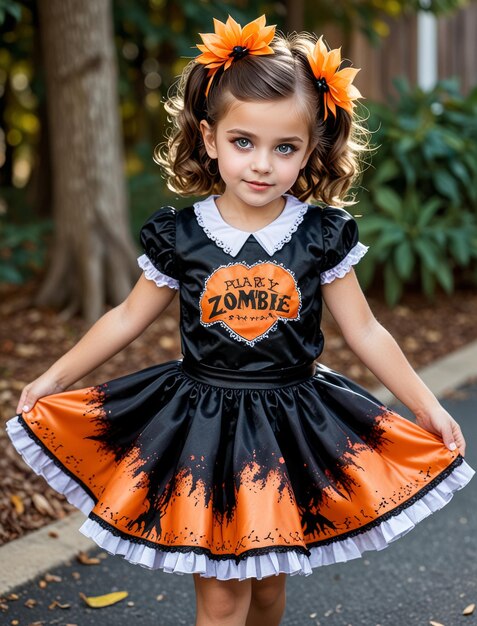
[
  {"x": 22, "y": 250},
  {"x": 419, "y": 196}
]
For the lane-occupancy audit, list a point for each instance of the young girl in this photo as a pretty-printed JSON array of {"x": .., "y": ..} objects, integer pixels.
[{"x": 246, "y": 461}]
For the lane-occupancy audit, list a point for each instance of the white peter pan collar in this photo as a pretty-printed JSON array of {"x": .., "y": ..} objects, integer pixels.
[{"x": 271, "y": 237}]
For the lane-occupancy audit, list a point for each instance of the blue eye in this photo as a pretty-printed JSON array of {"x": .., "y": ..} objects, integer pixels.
[
  {"x": 285, "y": 148},
  {"x": 242, "y": 143}
]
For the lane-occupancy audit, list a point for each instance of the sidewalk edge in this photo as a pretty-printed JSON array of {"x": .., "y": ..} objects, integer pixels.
[
  {"x": 38, "y": 552},
  {"x": 443, "y": 375}
]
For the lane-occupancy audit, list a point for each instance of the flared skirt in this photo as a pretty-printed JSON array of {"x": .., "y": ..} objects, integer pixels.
[{"x": 236, "y": 482}]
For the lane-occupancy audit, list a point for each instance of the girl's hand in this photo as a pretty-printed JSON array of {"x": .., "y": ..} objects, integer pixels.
[
  {"x": 439, "y": 422},
  {"x": 44, "y": 385}
]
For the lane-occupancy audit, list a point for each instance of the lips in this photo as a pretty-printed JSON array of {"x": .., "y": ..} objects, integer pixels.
[{"x": 258, "y": 184}]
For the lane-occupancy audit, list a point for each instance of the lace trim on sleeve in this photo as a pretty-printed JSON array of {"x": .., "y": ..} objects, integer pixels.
[
  {"x": 152, "y": 273},
  {"x": 338, "y": 271}
]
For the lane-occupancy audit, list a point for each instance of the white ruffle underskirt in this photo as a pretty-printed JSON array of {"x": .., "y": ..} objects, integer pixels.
[
  {"x": 152, "y": 273},
  {"x": 260, "y": 566},
  {"x": 338, "y": 271}
]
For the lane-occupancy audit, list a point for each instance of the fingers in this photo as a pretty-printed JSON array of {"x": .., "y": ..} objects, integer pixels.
[
  {"x": 447, "y": 435},
  {"x": 45, "y": 385},
  {"x": 27, "y": 401},
  {"x": 22, "y": 402},
  {"x": 453, "y": 437},
  {"x": 458, "y": 438}
]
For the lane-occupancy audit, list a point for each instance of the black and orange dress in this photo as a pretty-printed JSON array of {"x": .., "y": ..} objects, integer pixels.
[{"x": 245, "y": 458}]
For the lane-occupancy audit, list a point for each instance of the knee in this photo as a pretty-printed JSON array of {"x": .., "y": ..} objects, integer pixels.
[
  {"x": 222, "y": 606},
  {"x": 268, "y": 592},
  {"x": 219, "y": 602}
]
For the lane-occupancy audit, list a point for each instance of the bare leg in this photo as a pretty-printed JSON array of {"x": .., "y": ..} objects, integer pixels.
[
  {"x": 221, "y": 602},
  {"x": 267, "y": 602}
]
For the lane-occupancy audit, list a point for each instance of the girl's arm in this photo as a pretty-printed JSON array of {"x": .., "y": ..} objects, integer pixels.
[
  {"x": 377, "y": 349},
  {"x": 110, "y": 334}
]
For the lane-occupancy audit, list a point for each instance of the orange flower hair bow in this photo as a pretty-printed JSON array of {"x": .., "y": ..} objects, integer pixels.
[
  {"x": 231, "y": 42},
  {"x": 334, "y": 84}
]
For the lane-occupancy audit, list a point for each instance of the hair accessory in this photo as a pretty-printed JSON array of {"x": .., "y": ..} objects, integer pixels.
[
  {"x": 334, "y": 84},
  {"x": 231, "y": 42}
]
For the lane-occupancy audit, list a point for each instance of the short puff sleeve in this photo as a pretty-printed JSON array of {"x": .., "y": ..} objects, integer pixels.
[
  {"x": 341, "y": 246},
  {"x": 158, "y": 239}
]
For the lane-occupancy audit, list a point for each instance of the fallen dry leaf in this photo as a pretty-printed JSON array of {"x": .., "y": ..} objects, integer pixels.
[
  {"x": 30, "y": 603},
  {"x": 469, "y": 609},
  {"x": 53, "y": 534},
  {"x": 3, "y": 606},
  {"x": 43, "y": 584},
  {"x": 55, "y": 604},
  {"x": 17, "y": 503},
  {"x": 167, "y": 343},
  {"x": 84, "y": 559},
  {"x": 18, "y": 385},
  {"x": 26, "y": 350},
  {"x": 160, "y": 597},
  {"x": 42, "y": 505},
  {"x": 98, "y": 602},
  {"x": 13, "y": 596},
  {"x": 52, "y": 578},
  {"x": 435, "y": 623}
]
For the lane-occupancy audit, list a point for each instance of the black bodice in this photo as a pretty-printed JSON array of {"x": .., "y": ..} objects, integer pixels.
[{"x": 254, "y": 311}]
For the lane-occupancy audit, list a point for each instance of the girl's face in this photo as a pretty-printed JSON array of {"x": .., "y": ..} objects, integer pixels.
[{"x": 260, "y": 148}]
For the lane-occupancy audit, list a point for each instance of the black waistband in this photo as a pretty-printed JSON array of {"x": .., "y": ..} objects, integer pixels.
[{"x": 243, "y": 379}]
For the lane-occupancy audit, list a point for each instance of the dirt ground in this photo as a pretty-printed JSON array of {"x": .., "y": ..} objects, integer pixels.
[{"x": 31, "y": 340}]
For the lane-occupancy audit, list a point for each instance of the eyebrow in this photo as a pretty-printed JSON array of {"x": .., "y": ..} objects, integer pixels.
[{"x": 239, "y": 131}]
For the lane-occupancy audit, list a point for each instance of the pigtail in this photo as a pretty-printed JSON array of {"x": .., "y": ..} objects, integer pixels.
[
  {"x": 189, "y": 169},
  {"x": 334, "y": 165}
]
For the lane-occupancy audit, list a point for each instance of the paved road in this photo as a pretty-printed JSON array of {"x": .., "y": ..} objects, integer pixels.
[{"x": 430, "y": 574}]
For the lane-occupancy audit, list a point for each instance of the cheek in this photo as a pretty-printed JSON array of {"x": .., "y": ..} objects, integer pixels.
[
  {"x": 229, "y": 164},
  {"x": 291, "y": 168},
  {"x": 230, "y": 159}
]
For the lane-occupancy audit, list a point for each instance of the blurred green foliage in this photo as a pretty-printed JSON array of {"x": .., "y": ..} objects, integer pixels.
[
  {"x": 419, "y": 198},
  {"x": 23, "y": 242},
  {"x": 22, "y": 250},
  {"x": 10, "y": 7}
]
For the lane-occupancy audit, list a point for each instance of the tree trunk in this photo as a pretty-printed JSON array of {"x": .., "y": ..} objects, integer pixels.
[
  {"x": 93, "y": 257},
  {"x": 6, "y": 167},
  {"x": 39, "y": 189},
  {"x": 295, "y": 20}
]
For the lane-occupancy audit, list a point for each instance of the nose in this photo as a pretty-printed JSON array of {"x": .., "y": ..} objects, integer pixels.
[{"x": 262, "y": 162}]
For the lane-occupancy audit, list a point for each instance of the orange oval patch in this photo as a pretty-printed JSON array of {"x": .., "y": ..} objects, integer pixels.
[{"x": 249, "y": 300}]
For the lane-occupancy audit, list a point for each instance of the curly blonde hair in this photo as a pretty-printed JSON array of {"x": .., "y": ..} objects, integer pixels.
[{"x": 333, "y": 165}]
